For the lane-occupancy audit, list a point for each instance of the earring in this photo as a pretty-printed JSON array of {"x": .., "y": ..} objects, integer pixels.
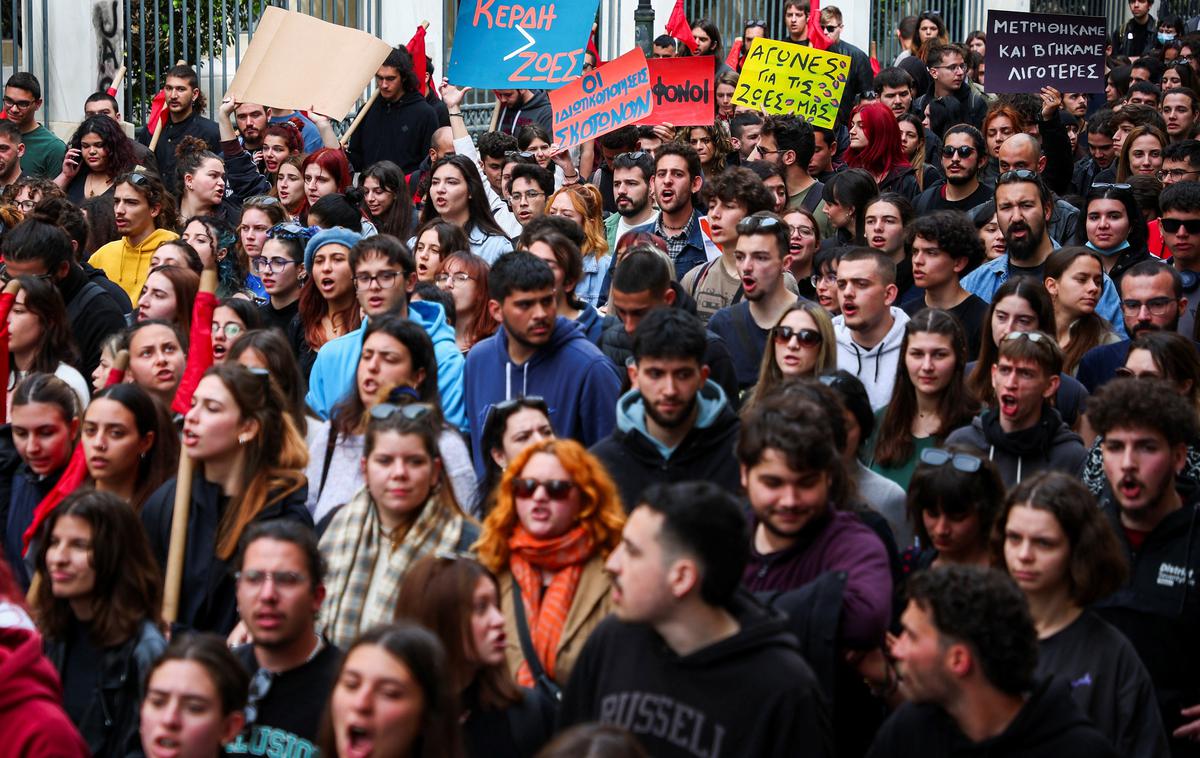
[{"x": 242, "y": 440}]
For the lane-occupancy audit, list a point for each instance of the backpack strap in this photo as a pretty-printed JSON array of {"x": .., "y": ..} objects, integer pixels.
[
  {"x": 87, "y": 295},
  {"x": 330, "y": 443}
]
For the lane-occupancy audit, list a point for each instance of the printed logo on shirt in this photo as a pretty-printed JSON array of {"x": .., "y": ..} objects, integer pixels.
[
  {"x": 664, "y": 718},
  {"x": 1083, "y": 681},
  {"x": 1173, "y": 576},
  {"x": 272, "y": 743}
]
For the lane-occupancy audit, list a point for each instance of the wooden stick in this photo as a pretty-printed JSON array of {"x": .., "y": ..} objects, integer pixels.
[
  {"x": 163, "y": 120},
  {"x": 345, "y": 140},
  {"x": 118, "y": 78}
]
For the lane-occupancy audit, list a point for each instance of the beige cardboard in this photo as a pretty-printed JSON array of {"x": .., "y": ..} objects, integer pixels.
[{"x": 297, "y": 61}]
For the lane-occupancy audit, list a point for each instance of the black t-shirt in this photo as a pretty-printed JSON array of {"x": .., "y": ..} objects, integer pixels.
[
  {"x": 289, "y": 715},
  {"x": 279, "y": 318},
  {"x": 1037, "y": 273},
  {"x": 970, "y": 313},
  {"x": 934, "y": 199},
  {"x": 80, "y": 672}
]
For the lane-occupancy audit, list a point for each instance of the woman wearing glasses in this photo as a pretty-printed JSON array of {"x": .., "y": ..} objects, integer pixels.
[
  {"x": 954, "y": 498},
  {"x": 1141, "y": 152},
  {"x": 802, "y": 344},
  {"x": 97, "y": 605},
  {"x": 168, "y": 295},
  {"x": 328, "y": 304},
  {"x": 434, "y": 241},
  {"x": 259, "y": 215},
  {"x": 804, "y": 237},
  {"x": 397, "y": 365},
  {"x": 930, "y": 399},
  {"x": 465, "y": 276},
  {"x": 130, "y": 443},
  {"x": 875, "y": 146},
  {"x": 249, "y": 462},
  {"x": 556, "y": 519},
  {"x": 145, "y": 214},
  {"x": 456, "y": 194},
  {"x": 1113, "y": 227},
  {"x": 1062, "y": 552},
  {"x": 233, "y": 317},
  {"x": 404, "y": 511},
  {"x": 280, "y": 268},
  {"x": 1074, "y": 280},
  {"x": 39, "y": 339}
]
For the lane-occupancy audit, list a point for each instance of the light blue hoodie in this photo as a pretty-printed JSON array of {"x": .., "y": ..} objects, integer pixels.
[
  {"x": 631, "y": 413},
  {"x": 337, "y": 363}
]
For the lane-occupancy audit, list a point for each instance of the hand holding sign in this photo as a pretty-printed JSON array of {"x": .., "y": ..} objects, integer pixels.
[
  {"x": 783, "y": 78},
  {"x": 616, "y": 94}
]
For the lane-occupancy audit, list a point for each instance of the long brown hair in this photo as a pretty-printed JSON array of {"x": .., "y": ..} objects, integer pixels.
[
  {"x": 149, "y": 416},
  {"x": 769, "y": 375},
  {"x": 438, "y": 593},
  {"x": 1089, "y": 329},
  {"x": 128, "y": 584},
  {"x": 275, "y": 459},
  {"x": 956, "y": 406},
  {"x": 314, "y": 308},
  {"x": 43, "y": 300},
  {"x": 185, "y": 283},
  {"x": 979, "y": 383}
]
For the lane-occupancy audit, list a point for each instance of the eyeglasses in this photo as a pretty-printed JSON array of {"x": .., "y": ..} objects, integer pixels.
[
  {"x": 1157, "y": 306},
  {"x": 25, "y": 206},
  {"x": 1031, "y": 336},
  {"x": 752, "y": 224},
  {"x": 963, "y": 151},
  {"x": 866, "y": 96},
  {"x": 1131, "y": 374},
  {"x": 385, "y": 279},
  {"x": 271, "y": 265},
  {"x": 6, "y": 277},
  {"x": 1176, "y": 173},
  {"x": 281, "y": 579},
  {"x": 527, "y": 196},
  {"x": 956, "y": 67},
  {"x": 410, "y": 411},
  {"x": 807, "y": 337},
  {"x": 230, "y": 329},
  {"x": 819, "y": 279},
  {"x": 18, "y": 104},
  {"x": 458, "y": 277},
  {"x": 799, "y": 231},
  {"x": 1110, "y": 185},
  {"x": 1173, "y": 225},
  {"x": 556, "y": 489},
  {"x": 1020, "y": 175},
  {"x": 936, "y": 456}
]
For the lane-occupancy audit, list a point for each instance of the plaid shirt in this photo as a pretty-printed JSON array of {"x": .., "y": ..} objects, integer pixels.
[{"x": 675, "y": 244}]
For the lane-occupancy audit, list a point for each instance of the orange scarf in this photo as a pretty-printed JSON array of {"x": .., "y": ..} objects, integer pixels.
[{"x": 547, "y": 614}]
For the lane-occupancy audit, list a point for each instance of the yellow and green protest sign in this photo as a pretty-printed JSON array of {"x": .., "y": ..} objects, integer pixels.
[{"x": 785, "y": 78}]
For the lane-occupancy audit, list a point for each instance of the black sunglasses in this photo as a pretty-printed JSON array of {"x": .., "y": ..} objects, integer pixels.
[
  {"x": 807, "y": 337},
  {"x": 963, "y": 151},
  {"x": 752, "y": 224},
  {"x": 522, "y": 154},
  {"x": 1172, "y": 225},
  {"x": 635, "y": 155},
  {"x": 556, "y": 489},
  {"x": 1021, "y": 174},
  {"x": 936, "y": 456}
]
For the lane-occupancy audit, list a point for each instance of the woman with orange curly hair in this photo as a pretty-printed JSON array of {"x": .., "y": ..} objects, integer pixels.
[
  {"x": 583, "y": 204},
  {"x": 557, "y": 517}
]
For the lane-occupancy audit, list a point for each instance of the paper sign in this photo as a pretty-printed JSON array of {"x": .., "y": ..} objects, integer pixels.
[
  {"x": 616, "y": 94},
  {"x": 683, "y": 90},
  {"x": 272, "y": 74},
  {"x": 500, "y": 44},
  {"x": 785, "y": 78},
  {"x": 1028, "y": 51}
]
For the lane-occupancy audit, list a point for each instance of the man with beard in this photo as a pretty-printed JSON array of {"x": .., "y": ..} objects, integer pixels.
[
  {"x": 184, "y": 102},
  {"x": 631, "y": 173},
  {"x": 252, "y": 122},
  {"x": 538, "y": 352},
  {"x": 280, "y": 588},
  {"x": 763, "y": 256},
  {"x": 1146, "y": 426},
  {"x": 1023, "y": 151},
  {"x": 1152, "y": 300},
  {"x": 963, "y": 157},
  {"x": 1101, "y": 151},
  {"x": 675, "y": 424},
  {"x": 869, "y": 329},
  {"x": 11, "y": 150},
  {"x": 617, "y": 142},
  {"x": 677, "y": 177},
  {"x": 1023, "y": 434},
  {"x": 966, "y": 657},
  {"x": 1023, "y": 207}
]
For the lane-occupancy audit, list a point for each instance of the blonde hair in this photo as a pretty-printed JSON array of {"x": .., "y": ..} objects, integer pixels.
[{"x": 769, "y": 375}]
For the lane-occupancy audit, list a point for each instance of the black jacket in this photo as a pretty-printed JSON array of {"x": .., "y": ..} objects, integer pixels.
[
  {"x": 94, "y": 314},
  {"x": 634, "y": 462},
  {"x": 1135, "y": 40},
  {"x": 1049, "y": 725},
  {"x": 194, "y": 125},
  {"x": 751, "y": 694},
  {"x": 859, "y": 79},
  {"x": 24, "y": 490},
  {"x": 399, "y": 132},
  {"x": 963, "y": 106},
  {"x": 110, "y": 726},
  {"x": 536, "y": 110},
  {"x": 207, "y": 600}
]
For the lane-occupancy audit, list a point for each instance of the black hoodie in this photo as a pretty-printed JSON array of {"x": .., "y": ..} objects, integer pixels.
[
  {"x": 1050, "y": 724},
  {"x": 535, "y": 110},
  {"x": 751, "y": 694},
  {"x": 399, "y": 132}
]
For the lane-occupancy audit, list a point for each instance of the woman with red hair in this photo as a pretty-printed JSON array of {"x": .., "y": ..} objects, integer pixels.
[
  {"x": 875, "y": 146},
  {"x": 464, "y": 275},
  {"x": 326, "y": 171}
]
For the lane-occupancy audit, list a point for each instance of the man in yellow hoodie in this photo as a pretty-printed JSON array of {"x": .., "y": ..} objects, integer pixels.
[{"x": 145, "y": 214}]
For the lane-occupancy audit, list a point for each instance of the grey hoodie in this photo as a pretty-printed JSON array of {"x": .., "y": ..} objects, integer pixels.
[
  {"x": 875, "y": 368},
  {"x": 1065, "y": 452}
]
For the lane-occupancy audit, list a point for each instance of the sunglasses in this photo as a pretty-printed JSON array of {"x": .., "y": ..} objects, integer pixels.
[
  {"x": 808, "y": 337},
  {"x": 1172, "y": 225},
  {"x": 752, "y": 224},
  {"x": 935, "y": 456},
  {"x": 1111, "y": 185},
  {"x": 1031, "y": 336},
  {"x": 831, "y": 29},
  {"x": 522, "y": 154},
  {"x": 261, "y": 200},
  {"x": 635, "y": 155},
  {"x": 290, "y": 230},
  {"x": 556, "y": 489},
  {"x": 963, "y": 151},
  {"x": 410, "y": 411},
  {"x": 1021, "y": 174}
]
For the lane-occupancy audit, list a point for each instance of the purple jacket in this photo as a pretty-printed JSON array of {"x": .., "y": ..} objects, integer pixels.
[{"x": 839, "y": 541}]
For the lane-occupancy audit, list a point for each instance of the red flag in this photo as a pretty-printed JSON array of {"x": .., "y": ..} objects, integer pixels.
[
  {"x": 816, "y": 35},
  {"x": 158, "y": 110},
  {"x": 200, "y": 354},
  {"x": 591, "y": 48},
  {"x": 735, "y": 55},
  {"x": 6, "y": 304},
  {"x": 874, "y": 66},
  {"x": 679, "y": 28},
  {"x": 416, "y": 48}
]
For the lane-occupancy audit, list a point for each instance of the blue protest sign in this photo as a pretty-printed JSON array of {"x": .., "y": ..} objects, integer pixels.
[{"x": 500, "y": 44}]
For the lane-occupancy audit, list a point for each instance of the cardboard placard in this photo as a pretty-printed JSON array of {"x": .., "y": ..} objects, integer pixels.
[
  {"x": 785, "y": 78},
  {"x": 616, "y": 94},
  {"x": 684, "y": 90},
  {"x": 1028, "y": 51},
  {"x": 272, "y": 73},
  {"x": 501, "y": 44}
]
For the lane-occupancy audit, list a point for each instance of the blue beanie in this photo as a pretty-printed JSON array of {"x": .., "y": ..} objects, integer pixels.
[{"x": 338, "y": 235}]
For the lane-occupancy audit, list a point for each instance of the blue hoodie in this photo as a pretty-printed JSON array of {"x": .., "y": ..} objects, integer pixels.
[
  {"x": 337, "y": 362},
  {"x": 578, "y": 382}
]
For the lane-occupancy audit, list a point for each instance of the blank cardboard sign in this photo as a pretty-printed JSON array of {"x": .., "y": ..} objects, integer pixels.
[{"x": 300, "y": 62}]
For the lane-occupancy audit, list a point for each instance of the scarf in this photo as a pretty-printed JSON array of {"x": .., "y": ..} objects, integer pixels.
[
  {"x": 363, "y": 591},
  {"x": 547, "y": 614}
]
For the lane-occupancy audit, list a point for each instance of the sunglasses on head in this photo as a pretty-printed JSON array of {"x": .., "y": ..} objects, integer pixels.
[
  {"x": 556, "y": 489},
  {"x": 751, "y": 224},
  {"x": 1031, "y": 336},
  {"x": 808, "y": 337},
  {"x": 1111, "y": 185},
  {"x": 1172, "y": 225},
  {"x": 1021, "y": 174},
  {"x": 936, "y": 456},
  {"x": 963, "y": 151},
  {"x": 410, "y": 411}
]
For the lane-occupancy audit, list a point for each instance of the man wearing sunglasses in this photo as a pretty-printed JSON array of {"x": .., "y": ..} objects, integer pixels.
[
  {"x": 964, "y": 157},
  {"x": 948, "y": 73},
  {"x": 676, "y": 424},
  {"x": 1023, "y": 434},
  {"x": 280, "y": 588},
  {"x": 1023, "y": 152},
  {"x": 1179, "y": 219}
]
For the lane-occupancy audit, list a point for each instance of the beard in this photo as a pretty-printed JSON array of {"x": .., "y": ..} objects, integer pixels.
[
  {"x": 959, "y": 181},
  {"x": 633, "y": 208},
  {"x": 670, "y": 423},
  {"x": 1024, "y": 249}
]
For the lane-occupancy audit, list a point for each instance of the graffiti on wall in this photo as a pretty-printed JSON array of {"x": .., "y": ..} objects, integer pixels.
[{"x": 105, "y": 22}]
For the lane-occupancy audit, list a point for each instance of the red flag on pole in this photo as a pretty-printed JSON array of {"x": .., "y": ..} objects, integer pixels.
[
  {"x": 416, "y": 48},
  {"x": 200, "y": 353},
  {"x": 679, "y": 28},
  {"x": 735, "y": 54},
  {"x": 595, "y": 51},
  {"x": 158, "y": 111},
  {"x": 816, "y": 35}
]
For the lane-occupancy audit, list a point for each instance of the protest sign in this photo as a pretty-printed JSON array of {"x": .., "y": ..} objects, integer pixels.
[
  {"x": 1028, "y": 51},
  {"x": 684, "y": 90},
  {"x": 499, "y": 44},
  {"x": 783, "y": 78},
  {"x": 616, "y": 94},
  {"x": 271, "y": 73}
]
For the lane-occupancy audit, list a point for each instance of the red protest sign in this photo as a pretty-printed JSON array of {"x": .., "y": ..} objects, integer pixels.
[
  {"x": 683, "y": 90},
  {"x": 616, "y": 94}
]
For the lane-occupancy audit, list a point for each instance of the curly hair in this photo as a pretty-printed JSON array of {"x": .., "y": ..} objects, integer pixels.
[
  {"x": 601, "y": 514},
  {"x": 983, "y": 609},
  {"x": 118, "y": 148},
  {"x": 742, "y": 186},
  {"x": 721, "y": 146},
  {"x": 1153, "y": 404}
]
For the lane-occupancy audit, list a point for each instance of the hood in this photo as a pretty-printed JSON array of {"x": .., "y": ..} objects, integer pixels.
[
  {"x": 631, "y": 413},
  {"x": 529, "y": 378},
  {"x": 1047, "y": 714},
  {"x": 26, "y": 673},
  {"x": 761, "y": 627},
  {"x": 431, "y": 317},
  {"x": 1028, "y": 442},
  {"x": 408, "y": 98},
  {"x": 890, "y": 343},
  {"x": 151, "y": 243},
  {"x": 590, "y": 321}
]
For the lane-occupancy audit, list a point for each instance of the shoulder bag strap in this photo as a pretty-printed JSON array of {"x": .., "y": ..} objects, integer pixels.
[{"x": 535, "y": 663}]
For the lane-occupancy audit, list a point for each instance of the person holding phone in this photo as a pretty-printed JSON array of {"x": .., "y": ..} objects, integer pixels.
[{"x": 99, "y": 152}]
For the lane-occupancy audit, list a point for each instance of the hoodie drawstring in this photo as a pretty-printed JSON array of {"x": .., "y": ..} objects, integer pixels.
[{"x": 992, "y": 457}]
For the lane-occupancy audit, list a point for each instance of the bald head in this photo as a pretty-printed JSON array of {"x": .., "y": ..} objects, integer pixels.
[
  {"x": 442, "y": 143},
  {"x": 1021, "y": 151}
]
